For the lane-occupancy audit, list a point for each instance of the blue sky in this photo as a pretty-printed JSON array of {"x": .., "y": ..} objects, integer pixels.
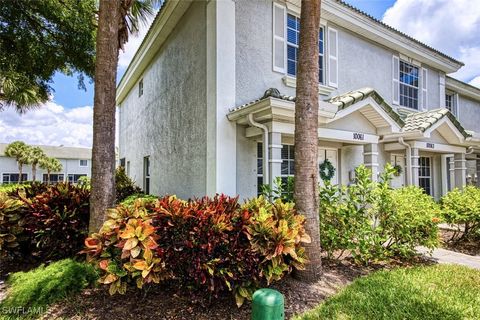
[{"x": 67, "y": 119}]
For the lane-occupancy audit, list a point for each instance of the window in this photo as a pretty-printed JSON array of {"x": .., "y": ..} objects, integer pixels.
[
  {"x": 293, "y": 40},
  {"x": 408, "y": 85},
  {"x": 259, "y": 167},
  {"x": 128, "y": 168},
  {"x": 288, "y": 162},
  {"x": 146, "y": 175},
  {"x": 122, "y": 162},
  {"x": 140, "y": 88},
  {"x": 425, "y": 174},
  {"x": 83, "y": 163},
  {"x": 73, "y": 178},
  {"x": 54, "y": 178},
  {"x": 13, "y": 177},
  {"x": 451, "y": 103}
]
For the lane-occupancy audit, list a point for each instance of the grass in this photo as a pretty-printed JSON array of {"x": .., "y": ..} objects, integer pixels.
[
  {"x": 29, "y": 293},
  {"x": 434, "y": 292}
]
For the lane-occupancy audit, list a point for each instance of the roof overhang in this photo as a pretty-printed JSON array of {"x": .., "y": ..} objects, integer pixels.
[
  {"x": 344, "y": 16},
  {"x": 373, "y": 112},
  {"x": 462, "y": 88},
  {"x": 274, "y": 109},
  {"x": 163, "y": 24}
]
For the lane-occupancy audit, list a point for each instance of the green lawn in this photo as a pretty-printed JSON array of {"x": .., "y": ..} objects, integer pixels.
[{"x": 434, "y": 292}]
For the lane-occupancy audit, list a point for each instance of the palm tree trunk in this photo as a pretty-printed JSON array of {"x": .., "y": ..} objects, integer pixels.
[
  {"x": 103, "y": 152},
  {"x": 306, "y": 135},
  {"x": 34, "y": 171},
  {"x": 20, "y": 172}
]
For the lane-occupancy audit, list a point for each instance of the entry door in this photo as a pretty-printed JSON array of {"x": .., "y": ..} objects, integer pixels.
[
  {"x": 398, "y": 160},
  {"x": 332, "y": 156}
]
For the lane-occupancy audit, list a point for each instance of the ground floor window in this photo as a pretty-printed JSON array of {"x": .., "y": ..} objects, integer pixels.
[
  {"x": 146, "y": 175},
  {"x": 425, "y": 174},
  {"x": 13, "y": 177},
  {"x": 54, "y": 178},
  {"x": 288, "y": 162},
  {"x": 259, "y": 168},
  {"x": 73, "y": 178}
]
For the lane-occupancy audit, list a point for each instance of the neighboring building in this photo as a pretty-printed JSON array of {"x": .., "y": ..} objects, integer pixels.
[
  {"x": 207, "y": 101},
  {"x": 76, "y": 163}
]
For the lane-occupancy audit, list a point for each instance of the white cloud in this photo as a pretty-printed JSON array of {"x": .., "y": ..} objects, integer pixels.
[
  {"x": 51, "y": 124},
  {"x": 133, "y": 43},
  {"x": 450, "y": 26}
]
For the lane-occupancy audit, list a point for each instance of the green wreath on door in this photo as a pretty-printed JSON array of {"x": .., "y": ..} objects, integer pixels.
[{"x": 327, "y": 170}]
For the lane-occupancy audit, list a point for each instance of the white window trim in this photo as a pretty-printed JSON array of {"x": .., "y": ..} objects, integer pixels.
[
  {"x": 291, "y": 81},
  {"x": 419, "y": 96},
  {"x": 424, "y": 88},
  {"x": 80, "y": 163},
  {"x": 331, "y": 57},
  {"x": 276, "y": 37},
  {"x": 395, "y": 82}
]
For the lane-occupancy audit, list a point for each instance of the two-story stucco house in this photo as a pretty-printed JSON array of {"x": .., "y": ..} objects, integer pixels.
[
  {"x": 207, "y": 103},
  {"x": 76, "y": 163}
]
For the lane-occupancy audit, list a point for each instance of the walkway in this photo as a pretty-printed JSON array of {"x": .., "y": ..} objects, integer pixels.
[{"x": 450, "y": 257}]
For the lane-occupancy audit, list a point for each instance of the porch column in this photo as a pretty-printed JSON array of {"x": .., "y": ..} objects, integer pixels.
[
  {"x": 370, "y": 159},
  {"x": 478, "y": 171},
  {"x": 460, "y": 170},
  {"x": 275, "y": 152},
  {"x": 415, "y": 166}
]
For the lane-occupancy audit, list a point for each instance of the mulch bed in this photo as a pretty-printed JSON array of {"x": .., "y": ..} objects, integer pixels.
[
  {"x": 463, "y": 246},
  {"x": 165, "y": 303}
]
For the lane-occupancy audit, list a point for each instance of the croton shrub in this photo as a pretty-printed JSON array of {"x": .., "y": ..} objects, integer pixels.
[
  {"x": 207, "y": 245},
  {"x": 44, "y": 222}
]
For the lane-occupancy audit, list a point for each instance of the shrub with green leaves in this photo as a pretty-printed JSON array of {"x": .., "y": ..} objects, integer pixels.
[
  {"x": 124, "y": 186},
  {"x": 36, "y": 289},
  {"x": 11, "y": 225},
  {"x": 208, "y": 246},
  {"x": 462, "y": 208},
  {"x": 373, "y": 222}
]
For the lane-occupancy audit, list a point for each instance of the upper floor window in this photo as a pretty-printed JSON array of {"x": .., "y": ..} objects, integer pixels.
[
  {"x": 83, "y": 163},
  {"x": 451, "y": 103},
  {"x": 293, "y": 41},
  {"x": 408, "y": 81},
  {"x": 140, "y": 88}
]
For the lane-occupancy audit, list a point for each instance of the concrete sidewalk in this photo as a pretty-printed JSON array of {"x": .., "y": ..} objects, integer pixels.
[{"x": 450, "y": 257}]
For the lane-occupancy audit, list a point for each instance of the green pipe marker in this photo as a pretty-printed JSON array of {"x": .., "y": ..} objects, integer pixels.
[{"x": 268, "y": 304}]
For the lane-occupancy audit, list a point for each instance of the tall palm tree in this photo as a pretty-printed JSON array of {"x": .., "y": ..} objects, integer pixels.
[
  {"x": 306, "y": 134},
  {"x": 18, "y": 150},
  {"x": 116, "y": 20},
  {"x": 35, "y": 155},
  {"x": 50, "y": 165}
]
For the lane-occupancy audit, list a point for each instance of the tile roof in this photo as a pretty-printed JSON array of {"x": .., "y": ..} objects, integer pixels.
[
  {"x": 347, "y": 99},
  {"x": 396, "y": 31},
  {"x": 421, "y": 121},
  {"x": 270, "y": 93}
]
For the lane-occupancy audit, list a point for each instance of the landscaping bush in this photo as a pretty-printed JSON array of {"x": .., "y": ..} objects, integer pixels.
[
  {"x": 124, "y": 186},
  {"x": 462, "y": 208},
  {"x": 207, "y": 245},
  {"x": 373, "y": 222},
  {"x": 10, "y": 225},
  {"x": 50, "y": 222},
  {"x": 130, "y": 200},
  {"x": 30, "y": 292}
]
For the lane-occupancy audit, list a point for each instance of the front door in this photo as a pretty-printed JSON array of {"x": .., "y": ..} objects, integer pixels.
[
  {"x": 332, "y": 156},
  {"x": 398, "y": 179}
]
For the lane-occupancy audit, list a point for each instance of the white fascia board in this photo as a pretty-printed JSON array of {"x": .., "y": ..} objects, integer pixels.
[
  {"x": 438, "y": 147},
  {"x": 162, "y": 26},
  {"x": 375, "y": 32},
  {"x": 462, "y": 88},
  {"x": 447, "y": 122}
]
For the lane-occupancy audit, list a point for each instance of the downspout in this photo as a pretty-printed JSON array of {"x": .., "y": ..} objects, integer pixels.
[
  {"x": 409, "y": 159},
  {"x": 266, "y": 168}
]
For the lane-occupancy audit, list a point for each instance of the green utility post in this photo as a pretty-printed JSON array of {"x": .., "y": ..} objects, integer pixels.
[{"x": 268, "y": 304}]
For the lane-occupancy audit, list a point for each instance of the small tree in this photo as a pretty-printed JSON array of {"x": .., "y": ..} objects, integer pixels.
[
  {"x": 50, "y": 165},
  {"x": 18, "y": 150},
  {"x": 34, "y": 156}
]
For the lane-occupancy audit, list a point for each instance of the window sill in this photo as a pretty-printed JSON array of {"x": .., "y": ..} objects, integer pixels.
[
  {"x": 406, "y": 110},
  {"x": 322, "y": 89}
]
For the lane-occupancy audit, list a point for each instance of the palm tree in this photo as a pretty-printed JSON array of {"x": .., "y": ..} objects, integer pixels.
[
  {"x": 18, "y": 150},
  {"x": 19, "y": 92},
  {"x": 306, "y": 134},
  {"x": 116, "y": 20},
  {"x": 35, "y": 155},
  {"x": 50, "y": 165}
]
